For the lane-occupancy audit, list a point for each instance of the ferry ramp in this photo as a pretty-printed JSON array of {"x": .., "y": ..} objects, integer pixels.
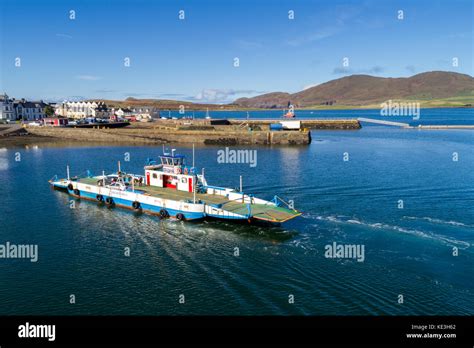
[{"x": 383, "y": 122}]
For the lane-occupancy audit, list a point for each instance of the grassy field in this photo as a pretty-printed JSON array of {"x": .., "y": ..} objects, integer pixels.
[{"x": 460, "y": 101}]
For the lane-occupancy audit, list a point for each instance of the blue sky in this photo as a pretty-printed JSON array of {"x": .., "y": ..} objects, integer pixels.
[{"x": 193, "y": 59}]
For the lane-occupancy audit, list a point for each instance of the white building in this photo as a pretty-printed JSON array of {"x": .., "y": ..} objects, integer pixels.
[
  {"x": 123, "y": 112},
  {"x": 138, "y": 112},
  {"x": 145, "y": 111},
  {"x": 7, "y": 112},
  {"x": 29, "y": 111},
  {"x": 82, "y": 109}
]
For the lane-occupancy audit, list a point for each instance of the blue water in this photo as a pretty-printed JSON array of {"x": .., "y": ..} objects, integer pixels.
[
  {"x": 408, "y": 251},
  {"x": 444, "y": 116}
]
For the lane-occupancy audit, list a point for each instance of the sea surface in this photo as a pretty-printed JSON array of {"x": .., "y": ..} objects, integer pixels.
[
  {"x": 405, "y": 195},
  {"x": 430, "y": 116}
]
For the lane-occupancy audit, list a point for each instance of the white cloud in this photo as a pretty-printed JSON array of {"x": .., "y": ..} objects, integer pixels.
[
  {"x": 330, "y": 23},
  {"x": 65, "y": 36},
  {"x": 310, "y": 86},
  {"x": 223, "y": 95},
  {"x": 88, "y": 77},
  {"x": 248, "y": 44},
  {"x": 315, "y": 36}
]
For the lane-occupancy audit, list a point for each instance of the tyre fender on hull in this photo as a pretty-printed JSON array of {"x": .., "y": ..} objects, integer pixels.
[
  {"x": 180, "y": 217},
  {"x": 164, "y": 214},
  {"x": 77, "y": 192},
  {"x": 99, "y": 198},
  {"x": 136, "y": 205},
  {"x": 109, "y": 201},
  {"x": 70, "y": 187}
]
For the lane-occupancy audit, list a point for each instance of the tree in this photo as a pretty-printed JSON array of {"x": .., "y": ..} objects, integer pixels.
[{"x": 49, "y": 111}]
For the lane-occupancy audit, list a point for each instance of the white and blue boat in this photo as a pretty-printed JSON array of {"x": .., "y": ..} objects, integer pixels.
[{"x": 171, "y": 188}]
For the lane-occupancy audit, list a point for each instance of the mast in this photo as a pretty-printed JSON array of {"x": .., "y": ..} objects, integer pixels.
[
  {"x": 195, "y": 178},
  {"x": 241, "y": 189},
  {"x": 67, "y": 171}
]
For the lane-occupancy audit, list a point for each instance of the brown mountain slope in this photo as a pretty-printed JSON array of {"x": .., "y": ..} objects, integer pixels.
[{"x": 358, "y": 90}]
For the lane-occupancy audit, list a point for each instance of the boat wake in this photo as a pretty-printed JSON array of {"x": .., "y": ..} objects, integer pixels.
[
  {"x": 438, "y": 221},
  {"x": 341, "y": 219}
]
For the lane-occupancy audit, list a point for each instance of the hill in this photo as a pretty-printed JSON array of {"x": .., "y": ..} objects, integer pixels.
[{"x": 437, "y": 88}]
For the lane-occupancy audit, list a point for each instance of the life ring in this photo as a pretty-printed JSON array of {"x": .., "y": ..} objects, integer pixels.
[
  {"x": 186, "y": 171},
  {"x": 99, "y": 198},
  {"x": 177, "y": 170},
  {"x": 164, "y": 214},
  {"x": 77, "y": 192},
  {"x": 70, "y": 187},
  {"x": 180, "y": 217},
  {"x": 136, "y": 205},
  {"x": 109, "y": 201}
]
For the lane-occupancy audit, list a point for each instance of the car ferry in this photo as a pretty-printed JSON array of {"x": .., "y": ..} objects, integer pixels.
[{"x": 171, "y": 188}]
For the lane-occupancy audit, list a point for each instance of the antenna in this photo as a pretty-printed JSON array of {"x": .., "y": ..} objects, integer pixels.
[
  {"x": 193, "y": 155},
  {"x": 119, "y": 166},
  {"x": 172, "y": 152},
  {"x": 67, "y": 171}
]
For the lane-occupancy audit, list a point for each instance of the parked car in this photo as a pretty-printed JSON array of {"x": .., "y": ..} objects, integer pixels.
[{"x": 35, "y": 124}]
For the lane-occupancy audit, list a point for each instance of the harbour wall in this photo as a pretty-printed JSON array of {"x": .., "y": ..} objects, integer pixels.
[
  {"x": 322, "y": 124},
  {"x": 146, "y": 134},
  {"x": 264, "y": 124}
]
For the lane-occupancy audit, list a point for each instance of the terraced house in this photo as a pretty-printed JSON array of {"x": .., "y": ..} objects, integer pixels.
[
  {"x": 29, "y": 110},
  {"x": 82, "y": 109},
  {"x": 7, "y": 112}
]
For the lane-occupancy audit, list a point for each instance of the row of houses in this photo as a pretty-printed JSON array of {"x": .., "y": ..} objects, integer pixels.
[
  {"x": 79, "y": 110},
  {"x": 11, "y": 109}
]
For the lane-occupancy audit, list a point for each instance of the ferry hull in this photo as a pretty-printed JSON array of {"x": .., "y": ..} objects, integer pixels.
[
  {"x": 174, "y": 191},
  {"x": 145, "y": 208},
  {"x": 195, "y": 212}
]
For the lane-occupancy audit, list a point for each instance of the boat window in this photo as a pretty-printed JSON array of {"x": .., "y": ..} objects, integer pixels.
[
  {"x": 184, "y": 180},
  {"x": 154, "y": 176}
]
